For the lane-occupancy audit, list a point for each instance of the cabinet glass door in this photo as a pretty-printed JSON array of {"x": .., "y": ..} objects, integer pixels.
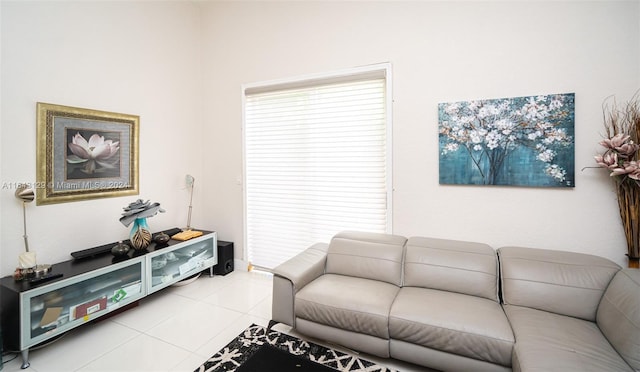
[
  {"x": 182, "y": 260},
  {"x": 82, "y": 298}
]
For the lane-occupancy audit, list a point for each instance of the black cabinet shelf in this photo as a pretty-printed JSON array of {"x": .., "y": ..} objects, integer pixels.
[{"x": 94, "y": 286}]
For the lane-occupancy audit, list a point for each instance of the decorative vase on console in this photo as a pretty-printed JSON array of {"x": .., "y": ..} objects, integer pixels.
[
  {"x": 137, "y": 213},
  {"x": 140, "y": 235},
  {"x": 622, "y": 159}
]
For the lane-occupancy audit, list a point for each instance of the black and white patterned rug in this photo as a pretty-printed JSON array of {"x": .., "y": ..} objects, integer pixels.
[{"x": 253, "y": 338}]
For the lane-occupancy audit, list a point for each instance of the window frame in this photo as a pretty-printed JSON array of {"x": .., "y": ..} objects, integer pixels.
[{"x": 350, "y": 74}]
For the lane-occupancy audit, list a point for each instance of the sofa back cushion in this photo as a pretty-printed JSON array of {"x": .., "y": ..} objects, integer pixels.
[
  {"x": 566, "y": 283},
  {"x": 452, "y": 265},
  {"x": 367, "y": 255},
  {"x": 619, "y": 315}
]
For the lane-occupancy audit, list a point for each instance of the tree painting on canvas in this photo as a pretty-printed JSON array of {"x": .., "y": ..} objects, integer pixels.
[{"x": 521, "y": 141}]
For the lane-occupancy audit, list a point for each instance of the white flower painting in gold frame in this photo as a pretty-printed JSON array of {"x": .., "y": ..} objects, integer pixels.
[{"x": 85, "y": 154}]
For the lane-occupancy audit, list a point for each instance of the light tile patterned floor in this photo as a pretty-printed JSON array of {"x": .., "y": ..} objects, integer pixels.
[{"x": 174, "y": 330}]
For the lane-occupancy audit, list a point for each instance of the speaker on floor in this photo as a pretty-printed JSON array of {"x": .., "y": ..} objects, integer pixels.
[{"x": 225, "y": 258}]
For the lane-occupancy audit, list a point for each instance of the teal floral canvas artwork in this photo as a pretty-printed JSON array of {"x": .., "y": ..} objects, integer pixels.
[{"x": 521, "y": 141}]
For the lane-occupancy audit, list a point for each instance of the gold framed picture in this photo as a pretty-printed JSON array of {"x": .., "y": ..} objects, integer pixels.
[{"x": 85, "y": 154}]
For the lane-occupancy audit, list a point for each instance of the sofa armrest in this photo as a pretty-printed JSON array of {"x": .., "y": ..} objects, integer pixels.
[
  {"x": 619, "y": 315},
  {"x": 305, "y": 266},
  {"x": 292, "y": 275}
]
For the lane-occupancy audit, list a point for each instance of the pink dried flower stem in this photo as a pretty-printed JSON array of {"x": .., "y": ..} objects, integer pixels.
[{"x": 622, "y": 126}]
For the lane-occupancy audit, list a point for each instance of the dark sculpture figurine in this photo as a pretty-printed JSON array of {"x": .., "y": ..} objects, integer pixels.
[
  {"x": 120, "y": 249},
  {"x": 161, "y": 239}
]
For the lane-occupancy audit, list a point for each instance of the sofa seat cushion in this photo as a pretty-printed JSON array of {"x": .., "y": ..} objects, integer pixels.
[
  {"x": 460, "y": 324},
  {"x": 349, "y": 303},
  {"x": 551, "y": 342}
]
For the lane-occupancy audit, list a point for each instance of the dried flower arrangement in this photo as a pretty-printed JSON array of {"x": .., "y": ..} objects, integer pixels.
[{"x": 621, "y": 158}]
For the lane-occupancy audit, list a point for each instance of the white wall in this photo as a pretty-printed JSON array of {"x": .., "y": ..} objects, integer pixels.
[
  {"x": 440, "y": 51},
  {"x": 180, "y": 66},
  {"x": 140, "y": 58}
]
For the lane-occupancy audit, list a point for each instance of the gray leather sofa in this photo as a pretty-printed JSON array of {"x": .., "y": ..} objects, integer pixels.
[{"x": 463, "y": 306}]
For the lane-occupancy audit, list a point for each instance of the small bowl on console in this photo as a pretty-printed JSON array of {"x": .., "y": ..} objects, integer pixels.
[{"x": 161, "y": 239}]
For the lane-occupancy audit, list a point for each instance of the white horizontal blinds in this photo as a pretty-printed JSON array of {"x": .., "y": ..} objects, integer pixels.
[{"x": 315, "y": 163}]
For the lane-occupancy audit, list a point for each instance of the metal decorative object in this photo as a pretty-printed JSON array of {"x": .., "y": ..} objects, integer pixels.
[
  {"x": 28, "y": 267},
  {"x": 190, "y": 181},
  {"x": 26, "y": 195}
]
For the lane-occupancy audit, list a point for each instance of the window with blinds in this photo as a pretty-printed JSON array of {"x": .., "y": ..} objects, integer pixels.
[{"x": 317, "y": 161}]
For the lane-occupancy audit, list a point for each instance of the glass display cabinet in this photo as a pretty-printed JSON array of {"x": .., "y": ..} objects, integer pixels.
[
  {"x": 63, "y": 306},
  {"x": 37, "y": 314},
  {"x": 89, "y": 288},
  {"x": 168, "y": 266}
]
